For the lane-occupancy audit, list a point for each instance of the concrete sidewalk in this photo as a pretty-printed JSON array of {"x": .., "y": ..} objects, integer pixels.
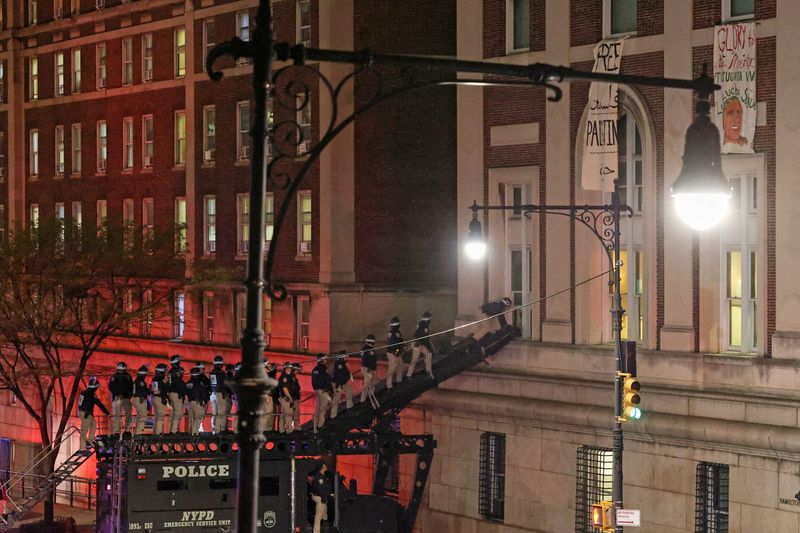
[{"x": 84, "y": 518}]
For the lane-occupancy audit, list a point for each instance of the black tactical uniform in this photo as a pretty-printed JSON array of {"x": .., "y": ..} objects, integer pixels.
[
  {"x": 323, "y": 391},
  {"x": 198, "y": 395},
  {"x": 221, "y": 393},
  {"x": 121, "y": 387},
  {"x": 140, "y": 393}
]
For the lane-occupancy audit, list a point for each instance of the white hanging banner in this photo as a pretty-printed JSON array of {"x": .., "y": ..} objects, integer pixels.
[
  {"x": 599, "y": 165},
  {"x": 735, "y": 72}
]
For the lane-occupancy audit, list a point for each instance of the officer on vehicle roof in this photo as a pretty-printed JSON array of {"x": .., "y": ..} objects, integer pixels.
[
  {"x": 266, "y": 420},
  {"x": 221, "y": 401},
  {"x": 121, "y": 387},
  {"x": 323, "y": 391},
  {"x": 289, "y": 399},
  {"x": 140, "y": 393},
  {"x": 369, "y": 363},
  {"x": 394, "y": 353},
  {"x": 198, "y": 394},
  {"x": 202, "y": 366},
  {"x": 159, "y": 388},
  {"x": 177, "y": 393},
  {"x": 342, "y": 379},
  {"x": 86, "y": 403},
  {"x": 422, "y": 344}
]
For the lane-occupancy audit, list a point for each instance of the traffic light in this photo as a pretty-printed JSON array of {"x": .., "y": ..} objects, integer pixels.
[
  {"x": 631, "y": 398},
  {"x": 601, "y": 516}
]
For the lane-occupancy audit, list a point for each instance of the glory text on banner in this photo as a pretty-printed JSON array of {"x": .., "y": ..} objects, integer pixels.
[
  {"x": 599, "y": 165},
  {"x": 735, "y": 72}
]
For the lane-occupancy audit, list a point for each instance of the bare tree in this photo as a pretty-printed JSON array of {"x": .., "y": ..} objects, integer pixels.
[{"x": 63, "y": 292}]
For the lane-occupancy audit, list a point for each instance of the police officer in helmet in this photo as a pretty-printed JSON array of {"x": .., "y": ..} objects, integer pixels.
[
  {"x": 342, "y": 379},
  {"x": 498, "y": 308},
  {"x": 422, "y": 345},
  {"x": 198, "y": 395},
  {"x": 221, "y": 401},
  {"x": 177, "y": 393},
  {"x": 323, "y": 391},
  {"x": 121, "y": 387},
  {"x": 159, "y": 388},
  {"x": 394, "y": 353},
  {"x": 140, "y": 393},
  {"x": 369, "y": 365},
  {"x": 86, "y": 404}
]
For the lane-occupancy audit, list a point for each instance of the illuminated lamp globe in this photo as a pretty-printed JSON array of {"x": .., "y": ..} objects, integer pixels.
[{"x": 475, "y": 247}]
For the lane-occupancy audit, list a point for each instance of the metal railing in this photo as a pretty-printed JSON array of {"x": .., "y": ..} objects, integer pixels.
[{"x": 73, "y": 491}]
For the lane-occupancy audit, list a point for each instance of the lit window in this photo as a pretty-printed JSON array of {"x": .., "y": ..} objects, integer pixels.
[
  {"x": 518, "y": 25},
  {"x": 210, "y": 224},
  {"x": 74, "y": 6},
  {"x": 2, "y": 79},
  {"x": 178, "y": 314},
  {"x": 594, "y": 483},
  {"x": 60, "y": 151},
  {"x": 76, "y": 70},
  {"x": 102, "y": 146},
  {"x": 304, "y": 224},
  {"x": 33, "y": 215},
  {"x": 60, "y": 216},
  {"x": 269, "y": 218},
  {"x": 127, "y": 61},
  {"x": 147, "y": 57},
  {"x": 492, "y": 476},
  {"x": 77, "y": 216},
  {"x": 147, "y": 316},
  {"x": 243, "y": 130},
  {"x": 101, "y": 219},
  {"x": 180, "y": 138},
  {"x": 711, "y": 498},
  {"x": 267, "y": 316},
  {"x": 2, "y": 221},
  {"x": 242, "y": 223},
  {"x": 127, "y": 143},
  {"x": 34, "y": 154},
  {"x": 33, "y": 78},
  {"x": 304, "y": 22},
  {"x": 209, "y": 133},
  {"x": 304, "y": 119},
  {"x": 208, "y": 316},
  {"x": 100, "y": 58},
  {"x": 59, "y": 72},
  {"x": 58, "y": 9},
  {"x": 33, "y": 12},
  {"x": 240, "y": 313},
  {"x": 181, "y": 242},
  {"x": 76, "y": 148},
  {"x": 180, "y": 52},
  {"x": 148, "y": 221},
  {"x": 302, "y": 321},
  {"x": 128, "y": 223},
  {"x": 619, "y": 17},
  {"x": 148, "y": 145},
  {"x": 737, "y": 9},
  {"x": 208, "y": 35},
  {"x": 243, "y": 31}
]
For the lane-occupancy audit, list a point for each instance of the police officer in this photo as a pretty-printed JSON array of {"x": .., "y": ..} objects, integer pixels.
[
  {"x": 394, "y": 353},
  {"x": 198, "y": 395},
  {"x": 177, "y": 393},
  {"x": 289, "y": 399},
  {"x": 220, "y": 395},
  {"x": 321, "y": 492},
  {"x": 86, "y": 403},
  {"x": 140, "y": 393},
  {"x": 267, "y": 406},
  {"x": 341, "y": 383},
  {"x": 498, "y": 307},
  {"x": 121, "y": 387},
  {"x": 422, "y": 344},
  {"x": 323, "y": 390},
  {"x": 202, "y": 366},
  {"x": 369, "y": 363},
  {"x": 159, "y": 387}
]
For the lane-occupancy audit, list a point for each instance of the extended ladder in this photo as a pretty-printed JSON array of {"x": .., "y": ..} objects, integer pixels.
[{"x": 118, "y": 487}]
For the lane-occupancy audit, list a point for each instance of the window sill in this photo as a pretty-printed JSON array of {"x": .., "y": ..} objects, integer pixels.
[
  {"x": 75, "y": 175},
  {"x": 58, "y": 176},
  {"x": 34, "y": 177},
  {"x": 179, "y": 168},
  {"x": 209, "y": 255},
  {"x": 619, "y": 35},
  {"x": 208, "y": 164},
  {"x": 100, "y": 174},
  {"x": 242, "y": 162},
  {"x": 127, "y": 171},
  {"x": 147, "y": 170},
  {"x": 303, "y": 257},
  {"x": 514, "y": 51}
]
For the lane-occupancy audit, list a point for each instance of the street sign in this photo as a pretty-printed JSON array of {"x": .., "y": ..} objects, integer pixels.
[{"x": 629, "y": 517}]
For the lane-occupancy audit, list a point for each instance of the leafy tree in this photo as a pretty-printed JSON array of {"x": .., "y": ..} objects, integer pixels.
[{"x": 63, "y": 292}]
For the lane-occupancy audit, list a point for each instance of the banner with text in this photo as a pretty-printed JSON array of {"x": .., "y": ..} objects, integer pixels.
[
  {"x": 599, "y": 165},
  {"x": 735, "y": 71}
]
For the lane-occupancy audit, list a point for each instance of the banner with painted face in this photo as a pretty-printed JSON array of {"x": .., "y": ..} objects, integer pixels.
[
  {"x": 599, "y": 161},
  {"x": 735, "y": 72}
]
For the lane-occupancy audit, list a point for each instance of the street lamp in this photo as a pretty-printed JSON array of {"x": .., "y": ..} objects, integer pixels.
[{"x": 475, "y": 247}]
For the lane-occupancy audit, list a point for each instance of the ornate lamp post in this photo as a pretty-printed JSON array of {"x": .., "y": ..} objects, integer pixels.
[{"x": 292, "y": 93}]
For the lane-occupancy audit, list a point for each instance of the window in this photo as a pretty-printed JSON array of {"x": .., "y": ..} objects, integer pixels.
[
  {"x": 240, "y": 313},
  {"x": 209, "y": 133},
  {"x": 242, "y": 223},
  {"x": 208, "y": 35},
  {"x": 304, "y": 22},
  {"x": 518, "y": 25},
  {"x": 243, "y": 31},
  {"x": 243, "y": 130},
  {"x": 148, "y": 137},
  {"x": 209, "y": 224},
  {"x": 304, "y": 118},
  {"x": 737, "y": 9},
  {"x": 269, "y": 218},
  {"x": 77, "y": 217},
  {"x": 519, "y": 277},
  {"x": 76, "y": 148},
  {"x": 101, "y": 220},
  {"x": 58, "y": 9},
  {"x": 100, "y": 59},
  {"x": 127, "y": 61},
  {"x": 619, "y": 17},
  {"x": 304, "y": 222},
  {"x": 267, "y": 318},
  {"x": 711, "y": 498},
  {"x": 76, "y": 70},
  {"x": 180, "y": 138},
  {"x": 148, "y": 222},
  {"x": 127, "y": 143},
  {"x": 631, "y": 192},
  {"x": 147, "y": 57},
  {"x": 33, "y": 215},
  {"x": 180, "y": 52},
  {"x": 34, "y": 154},
  {"x": 59, "y": 72},
  {"x": 181, "y": 243},
  {"x": 178, "y": 314},
  {"x": 74, "y": 6},
  {"x": 2, "y": 221},
  {"x": 2, "y": 79},
  {"x": 208, "y": 316},
  {"x": 302, "y": 321},
  {"x": 492, "y": 481},
  {"x": 60, "y": 215},
  {"x": 593, "y": 484},
  {"x": 128, "y": 223},
  {"x": 33, "y": 78},
  {"x": 740, "y": 268},
  {"x": 33, "y": 12},
  {"x": 147, "y": 316},
  {"x": 102, "y": 146},
  {"x": 60, "y": 155}
]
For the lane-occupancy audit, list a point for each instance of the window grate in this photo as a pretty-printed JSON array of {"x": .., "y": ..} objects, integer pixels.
[
  {"x": 711, "y": 499},
  {"x": 491, "y": 495},
  {"x": 594, "y": 481}
]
